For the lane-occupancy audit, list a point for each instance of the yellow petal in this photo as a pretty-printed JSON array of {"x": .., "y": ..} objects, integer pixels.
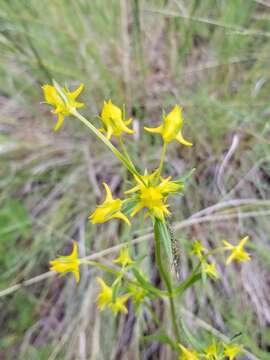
[
  {"x": 121, "y": 216},
  {"x": 60, "y": 121},
  {"x": 108, "y": 192},
  {"x": 179, "y": 137},
  {"x": 228, "y": 245},
  {"x": 74, "y": 94},
  {"x": 243, "y": 241},
  {"x": 157, "y": 130},
  {"x": 129, "y": 121}
]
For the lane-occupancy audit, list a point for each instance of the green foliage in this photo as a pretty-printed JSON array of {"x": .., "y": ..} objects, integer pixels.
[{"x": 212, "y": 57}]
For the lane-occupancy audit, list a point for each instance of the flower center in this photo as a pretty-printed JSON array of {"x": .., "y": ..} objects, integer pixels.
[{"x": 151, "y": 197}]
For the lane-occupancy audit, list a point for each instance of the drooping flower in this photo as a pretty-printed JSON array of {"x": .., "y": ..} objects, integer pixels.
[
  {"x": 109, "y": 209},
  {"x": 124, "y": 259},
  {"x": 105, "y": 298},
  {"x": 237, "y": 252},
  {"x": 65, "y": 264},
  {"x": 231, "y": 351},
  {"x": 64, "y": 101},
  {"x": 171, "y": 129},
  {"x": 210, "y": 270},
  {"x": 113, "y": 121},
  {"x": 187, "y": 354},
  {"x": 152, "y": 193}
]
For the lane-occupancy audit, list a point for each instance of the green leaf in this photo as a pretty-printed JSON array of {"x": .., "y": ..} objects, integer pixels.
[
  {"x": 147, "y": 285},
  {"x": 162, "y": 338},
  {"x": 187, "y": 283},
  {"x": 185, "y": 177},
  {"x": 164, "y": 235}
]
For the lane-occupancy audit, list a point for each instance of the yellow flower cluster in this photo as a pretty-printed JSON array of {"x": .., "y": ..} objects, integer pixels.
[
  {"x": 212, "y": 352},
  {"x": 65, "y": 103},
  {"x": 106, "y": 298},
  {"x": 148, "y": 194},
  {"x": 238, "y": 253},
  {"x": 115, "y": 302},
  {"x": 151, "y": 191}
]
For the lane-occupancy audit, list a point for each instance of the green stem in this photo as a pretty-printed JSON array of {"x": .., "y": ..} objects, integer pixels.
[
  {"x": 162, "y": 158},
  {"x": 165, "y": 276},
  {"x": 124, "y": 149},
  {"x": 131, "y": 168}
]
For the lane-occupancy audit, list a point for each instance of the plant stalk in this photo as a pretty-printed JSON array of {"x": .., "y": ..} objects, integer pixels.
[
  {"x": 131, "y": 168},
  {"x": 165, "y": 276}
]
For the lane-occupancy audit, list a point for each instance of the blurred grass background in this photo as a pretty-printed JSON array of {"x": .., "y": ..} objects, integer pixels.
[{"x": 212, "y": 57}]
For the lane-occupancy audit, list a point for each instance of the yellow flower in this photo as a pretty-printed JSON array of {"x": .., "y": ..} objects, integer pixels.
[
  {"x": 137, "y": 293},
  {"x": 105, "y": 298},
  {"x": 171, "y": 129},
  {"x": 119, "y": 304},
  {"x": 187, "y": 354},
  {"x": 153, "y": 196},
  {"x": 237, "y": 252},
  {"x": 113, "y": 121},
  {"x": 198, "y": 248},
  {"x": 211, "y": 352},
  {"x": 152, "y": 199},
  {"x": 64, "y": 102},
  {"x": 105, "y": 295},
  {"x": 65, "y": 264},
  {"x": 210, "y": 270},
  {"x": 231, "y": 351},
  {"x": 109, "y": 209},
  {"x": 124, "y": 259}
]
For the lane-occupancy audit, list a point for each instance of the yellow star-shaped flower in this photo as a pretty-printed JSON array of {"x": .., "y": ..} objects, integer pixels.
[
  {"x": 237, "y": 252},
  {"x": 171, "y": 129},
  {"x": 211, "y": 352},
  {"x": 198, "y": 248},
  {"x": 137, "y": 293},
  {"x": 109, "y": 209},
  {"x": 65, "y": 264},
  {"x": 231, "y": 351},
  {"x": 187, "y": 354},
  {"x": 105, "y": 295},
  {"x": 105, "y": 299},
  {"x": 210, "y": 270},
  {"x": 152, "y": 193},
  {"x": 64, "y": 102},
  {"x": 124, "y": 259},
  {"x": 113, "y": 121},
  {"x": 119, "y": 304}
]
